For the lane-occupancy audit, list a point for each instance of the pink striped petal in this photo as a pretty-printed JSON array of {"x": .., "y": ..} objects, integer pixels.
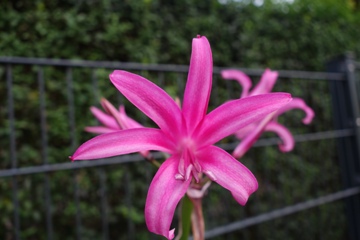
[
  {"x": 198, "y": 86},
  {"x": 285, "y": 135},
  {"x": 300, "y": 104},
  {"x": 234, "y": 115},
  {"x": 248, "y": 141},
  {"x": 242, "y": 78},
  {"x": 163, "y": 196},
  {"x": 222, "y": 168},
  {"x": 113, "y": 112},
  {"x": 104, "y": 118},
  {"x": 99, "y": 129},
  {"x": 243, "y": 132},
  {"x": 266, "y": 84},
  {"x": 123, "y": 142},
  {"x": 127, "y": 121},
  {"x": 150, "y": 99}
]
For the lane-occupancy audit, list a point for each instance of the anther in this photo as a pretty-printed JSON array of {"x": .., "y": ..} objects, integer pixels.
[
  {"x": 210, "y": 175},
  {"x": 178, "y": 176},
  {"x": 181, "y": 166},
  {"x": 197, "y": 165},
  {"x": 188, "y": 171}
]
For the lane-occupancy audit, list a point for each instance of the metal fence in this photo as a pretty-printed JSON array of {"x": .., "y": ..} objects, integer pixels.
[{"x": 44, "y": 107}]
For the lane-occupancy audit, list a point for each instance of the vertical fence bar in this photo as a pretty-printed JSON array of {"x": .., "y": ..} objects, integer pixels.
[
  {"x": 215, "y": 91},
  {"x": 11, "y": 115},
  {"x": 101, "y": 172},
  {"x": 180, "y": 85},
  {"x": 161, "y": 79},
  {"x": 44, "y": 153},
  {"x": 346, "y": 113},
  {"x": 230, "y": 88},
  {"x": 71, "y": 103},
  {"x": 354, "y": 98},
  {"x": 70, "y": 94},
  {"x": 128, "y": 199},
  {"x": 95, "y": 87},
  {"x": 104, "y": 206}
]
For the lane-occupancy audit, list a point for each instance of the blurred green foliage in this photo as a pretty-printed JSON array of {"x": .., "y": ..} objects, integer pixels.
[{"x": 299, "y": 36}]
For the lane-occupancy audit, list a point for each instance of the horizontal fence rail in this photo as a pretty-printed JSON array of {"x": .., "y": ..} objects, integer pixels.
[
  {"x": 163, "y": 67},
  {"x": 137, "y": 158},
  {"x": 278, "y": 213},
  {"x": 15, "y": 171}
]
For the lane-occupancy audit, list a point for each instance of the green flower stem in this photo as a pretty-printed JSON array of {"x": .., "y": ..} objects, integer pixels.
[
  {"x": 185, "y": 221},
  {"x": 152, "y": 160}
]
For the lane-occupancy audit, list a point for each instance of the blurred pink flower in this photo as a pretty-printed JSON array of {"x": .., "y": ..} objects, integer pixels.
[
  {"x": 250, "y": 134},
  {"x": 187, "y": 134},
  {"x": 113, "y": 120}
]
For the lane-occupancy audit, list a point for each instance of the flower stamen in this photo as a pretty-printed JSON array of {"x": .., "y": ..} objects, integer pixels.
[
  {"x": 211, "y": 175},
  {"x": 181, "y": 167},
  {"x": 178, "y": 176},
  {"x": 189, "y": 170}
]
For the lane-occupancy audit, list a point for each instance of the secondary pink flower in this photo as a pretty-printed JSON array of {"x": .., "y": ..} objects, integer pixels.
[
  {"x": 112, "y": 119},
  {"x": 252, "y": 132},
  {"x": 187, "y": 134}
]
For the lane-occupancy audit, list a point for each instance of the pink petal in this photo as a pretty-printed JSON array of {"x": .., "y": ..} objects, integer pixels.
[
  {"x": 198, "y": 86},
  {"x": 99, "y": 129},
  {"x": 266, "y": 84},
  {"x": 222, "y": 168},
  {"x": 285, "y": 135},
  {"x": 234, "y": 115},
  {"x": 123, "y": 142},
  {"x": 300, "y": 104},
  {"x": 127, "y": 121},
  {"x": 104, "y": 118},
  {"x": 239, "y": 76},
  {"x": 243, "y": 132},
  {"x": 150, "y": 99},
  {"x": 163, "y": 196},
  {"x": 113, "y": 112},
  {"x": 252, "y": 137}
]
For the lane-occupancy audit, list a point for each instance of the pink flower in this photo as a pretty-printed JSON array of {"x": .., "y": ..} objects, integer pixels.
[
  {"x": 252, "y": 132},
  {"x": 113, "y": 120},
  {"x": 187, "y": 134}
]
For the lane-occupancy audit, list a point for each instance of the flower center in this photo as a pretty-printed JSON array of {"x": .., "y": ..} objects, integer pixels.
[{"x": 188, "y": 164}]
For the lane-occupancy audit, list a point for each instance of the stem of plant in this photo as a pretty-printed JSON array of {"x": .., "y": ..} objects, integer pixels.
[{"x": 197, "y": 219}]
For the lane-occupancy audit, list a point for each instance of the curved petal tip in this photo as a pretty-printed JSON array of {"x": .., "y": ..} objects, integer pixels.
[
  {"x": 299, "y": 104},
  {"x": 310, "y": 114},
  {"x": 171, "y": 234},
  {"x": 288, "y": 142}
]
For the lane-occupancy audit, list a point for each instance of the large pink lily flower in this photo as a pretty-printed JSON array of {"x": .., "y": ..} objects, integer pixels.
[
  {"x": 250, "y": 134},
  {"x": 187, "y": 134}
]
